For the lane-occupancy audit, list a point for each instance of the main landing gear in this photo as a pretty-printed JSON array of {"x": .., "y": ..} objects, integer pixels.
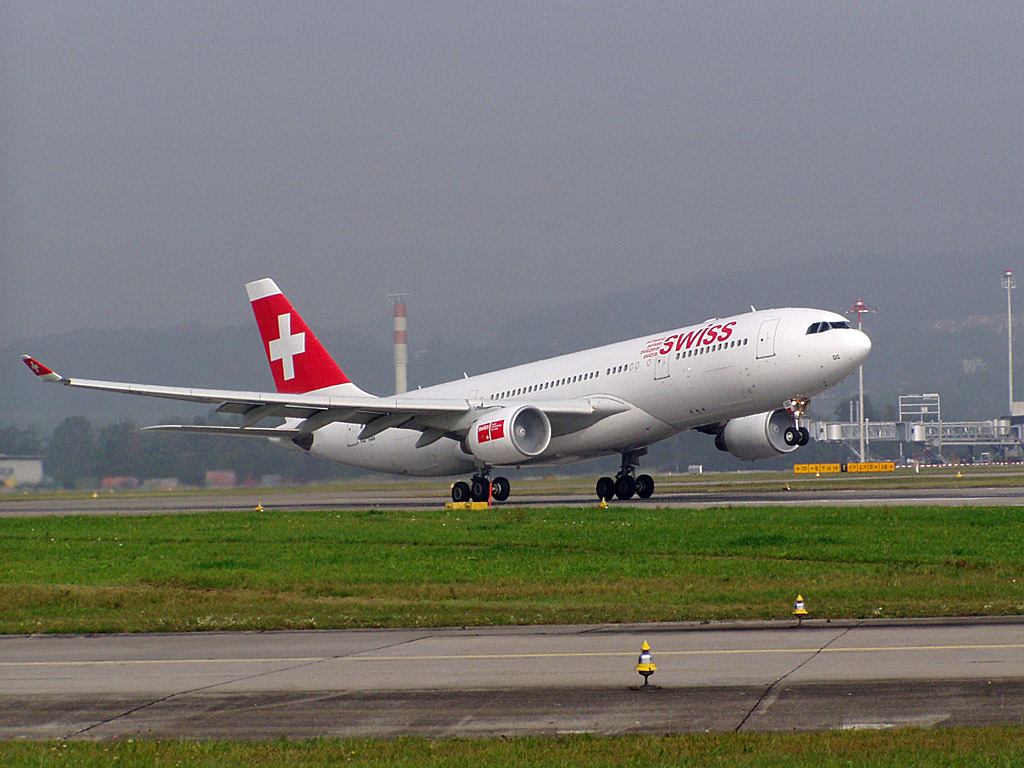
[
  {"x": 626, "y": 483},
  {"x": 481, "y": 488}
]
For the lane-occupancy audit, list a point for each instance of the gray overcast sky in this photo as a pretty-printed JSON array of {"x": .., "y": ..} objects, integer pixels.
[{"x": 486, "y": 158}]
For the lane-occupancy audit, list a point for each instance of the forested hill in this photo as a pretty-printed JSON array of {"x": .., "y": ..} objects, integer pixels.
[{"x": 937, "y": 329}]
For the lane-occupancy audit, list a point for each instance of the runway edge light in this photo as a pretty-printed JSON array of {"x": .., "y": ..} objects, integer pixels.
[
  {"x": 799, "y": 610},
  {"x": 644, "y": 664}
]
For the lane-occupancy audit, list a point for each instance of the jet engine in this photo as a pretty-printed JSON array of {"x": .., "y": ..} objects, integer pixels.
[
  {"x": 509, "y": 435},
  {"x": 761, "y": 436}
]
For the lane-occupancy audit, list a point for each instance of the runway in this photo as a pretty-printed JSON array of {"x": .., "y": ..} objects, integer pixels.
[
  {"x": 435, "y": 498},
  {"x": 513, "y": 681}
]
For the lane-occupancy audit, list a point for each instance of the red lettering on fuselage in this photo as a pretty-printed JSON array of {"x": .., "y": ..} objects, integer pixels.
[
  {"x": 686, "y": 340},
  {"x": 697, "y": 337}
]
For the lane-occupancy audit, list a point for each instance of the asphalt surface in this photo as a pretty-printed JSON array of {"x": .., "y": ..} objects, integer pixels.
[
  {"x": 513, "y": 681},
  {"x": 435, "y": 498}
]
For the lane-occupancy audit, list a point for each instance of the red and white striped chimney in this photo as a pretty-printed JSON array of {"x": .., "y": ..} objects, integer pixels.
[{"x": 401, "y": 343}]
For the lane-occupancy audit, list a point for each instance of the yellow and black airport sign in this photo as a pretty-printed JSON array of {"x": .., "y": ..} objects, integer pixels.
[{"x": 853, "y": 466}]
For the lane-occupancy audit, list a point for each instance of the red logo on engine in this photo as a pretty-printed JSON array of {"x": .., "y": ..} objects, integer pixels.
[
  {"x": 497, "y": 429},
  {"x": 493, "y": 430}
]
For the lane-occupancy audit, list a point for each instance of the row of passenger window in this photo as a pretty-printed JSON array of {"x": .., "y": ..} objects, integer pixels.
[
  {"x": 711, "y": 348},
  {"x": 621, "y": 368},
  {"x": 611, "y": 371},
  {"x": 544, "y": 385}
]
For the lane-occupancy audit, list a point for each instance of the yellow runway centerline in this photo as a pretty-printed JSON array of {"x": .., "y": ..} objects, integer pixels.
[{"x": 512, "y": 656}]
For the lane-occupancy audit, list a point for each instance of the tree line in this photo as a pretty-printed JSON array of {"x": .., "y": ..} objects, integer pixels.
[{"x": 79, "y": 454}]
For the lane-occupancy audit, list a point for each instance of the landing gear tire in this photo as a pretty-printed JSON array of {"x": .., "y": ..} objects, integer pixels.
[
  {"x": 500, "y": 488},
  {"x": 791, "y": 436},
  {"x": 460, "y": 492},
  {"x": 645, "y": 486},
  {"x": 480, "y": 489},
  {"x": 605, "y": 488},
  {"x": 805, "y": 436},
  {"x": 625, "y": 487}
]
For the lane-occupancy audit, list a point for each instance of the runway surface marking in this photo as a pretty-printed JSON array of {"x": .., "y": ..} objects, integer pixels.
[{"x": 492, "y": 656}]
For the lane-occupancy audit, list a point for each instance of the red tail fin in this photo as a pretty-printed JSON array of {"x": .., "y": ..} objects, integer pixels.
[{"x": 297, "y": 359}]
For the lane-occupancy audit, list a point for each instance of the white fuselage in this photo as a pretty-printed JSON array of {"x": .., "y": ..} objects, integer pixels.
[{"x": 667, "y": 383}]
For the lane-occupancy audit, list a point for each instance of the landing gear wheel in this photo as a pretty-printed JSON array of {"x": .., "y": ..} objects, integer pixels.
[
  {"x": 645, "y": 486},
  {"x": 791, "y": 436},
  {"x": 805, "y": 436},
  {"x": 605, "y": 488},
  {"x": 625, "y": 487},
  {"x": 460, "y": 492},
  {"x": 480, "y": 489},
  {"x": 500, "y": 488}
]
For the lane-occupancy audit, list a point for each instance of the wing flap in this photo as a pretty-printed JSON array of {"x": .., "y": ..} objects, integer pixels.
[{"x": 223, "y": 430}]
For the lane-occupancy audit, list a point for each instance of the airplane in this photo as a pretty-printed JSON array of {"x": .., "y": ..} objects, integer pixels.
[{"x": 746, "y": 379}]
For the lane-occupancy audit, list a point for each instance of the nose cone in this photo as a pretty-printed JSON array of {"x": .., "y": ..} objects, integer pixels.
[{"x": 858, "y": 346}]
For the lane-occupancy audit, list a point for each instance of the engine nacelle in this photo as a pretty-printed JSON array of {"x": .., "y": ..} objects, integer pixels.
[
  {"x": 760, "y": 436},
  {"x": 509, "y": 435}
]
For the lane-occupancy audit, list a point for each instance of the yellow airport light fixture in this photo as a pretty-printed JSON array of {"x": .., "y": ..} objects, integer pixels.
[
  {"x": 644, "y": 664},
  {"x": 799, "y": 609}
]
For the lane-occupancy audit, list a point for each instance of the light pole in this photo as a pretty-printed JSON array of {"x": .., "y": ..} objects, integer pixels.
[
  {"x": 1009, "y": 284},
  {"x": 860, "y": 308}
]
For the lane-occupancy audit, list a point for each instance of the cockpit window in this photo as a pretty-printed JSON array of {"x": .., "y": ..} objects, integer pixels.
[{"x": 827, "y": 326}]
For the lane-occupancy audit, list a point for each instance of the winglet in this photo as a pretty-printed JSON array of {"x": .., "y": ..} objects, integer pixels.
[{"x": 41, "y": 370}]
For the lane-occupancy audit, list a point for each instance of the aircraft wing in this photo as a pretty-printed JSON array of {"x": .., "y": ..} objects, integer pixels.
[{"x": 436, "y": 417}]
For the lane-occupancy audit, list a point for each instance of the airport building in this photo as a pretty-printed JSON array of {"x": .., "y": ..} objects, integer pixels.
[
  {"x": 921, "y": 434},
  {"x": 20, "y": 470}
]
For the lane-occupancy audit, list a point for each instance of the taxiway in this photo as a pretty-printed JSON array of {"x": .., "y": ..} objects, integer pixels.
[{"x": 513, "y": 681}]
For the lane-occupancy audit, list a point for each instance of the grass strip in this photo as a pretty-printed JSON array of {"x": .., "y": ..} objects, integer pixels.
[
  {"x": 949, "y": 748},
  {"x": 341, "y": 569}
]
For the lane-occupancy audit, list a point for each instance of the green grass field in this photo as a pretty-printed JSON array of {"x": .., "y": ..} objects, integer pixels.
[
  {"x": 274, "y": 570},
  {"x": 278, "y": 570},
  {"x": 948, "y": 748}
]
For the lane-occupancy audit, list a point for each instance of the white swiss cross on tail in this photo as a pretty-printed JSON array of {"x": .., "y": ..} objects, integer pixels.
[
  {"x": 305, "y": 364},
  {"x": 287, "y": 345}
]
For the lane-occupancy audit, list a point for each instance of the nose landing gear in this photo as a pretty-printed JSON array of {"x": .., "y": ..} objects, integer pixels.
[{"x": 797, "y": 435}]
